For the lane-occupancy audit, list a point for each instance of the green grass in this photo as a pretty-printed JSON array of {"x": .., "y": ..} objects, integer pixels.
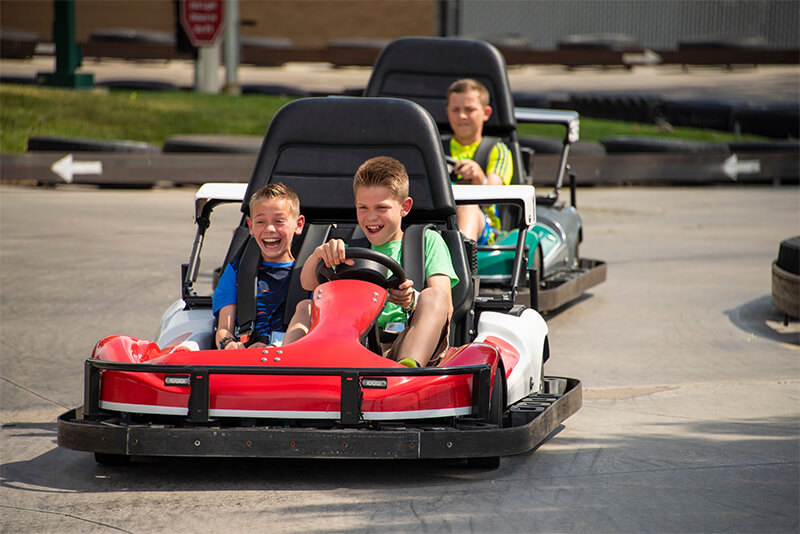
[{"x": 27, "y": 111}]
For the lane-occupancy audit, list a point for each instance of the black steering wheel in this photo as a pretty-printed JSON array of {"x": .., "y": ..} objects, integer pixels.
[
  {"x": 370, "y": 266},
  {"x": 451, "y": 168}
]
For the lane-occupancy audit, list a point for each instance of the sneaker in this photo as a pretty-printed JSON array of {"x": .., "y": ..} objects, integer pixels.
[{"x": 409, "y": 362}]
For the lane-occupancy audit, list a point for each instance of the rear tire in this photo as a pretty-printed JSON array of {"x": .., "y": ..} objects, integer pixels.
[{"x": 104, "y": 458}]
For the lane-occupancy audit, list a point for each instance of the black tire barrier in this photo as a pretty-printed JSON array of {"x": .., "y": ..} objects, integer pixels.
[
  {"x": 710, "y": 113},
  {"x": 82, "y": 144},
  {"x": 789, "y": 255},
  {"x": 630, "y": 107},
  {"x": 138, "y": 85},
  {"x": 274, "y": 90},
  {"x": 766, "y": 146},
  {"x": 17, "y": 44},
  {"x": 550, "y": 145},
  {"x": 606, "y": 41},
  {"x": 220, "y": 144},
  {"x": 777, "y": 120},
  {"x": 630, "y": 144},
  {"x": 531, "y": 100},
  {"x": 721, "y": 42},
  {"x": 20, "y": 80},
  {"x": 131, "y": 35}
]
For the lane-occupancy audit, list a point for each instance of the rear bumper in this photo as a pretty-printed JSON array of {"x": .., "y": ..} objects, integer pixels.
[
  {"x": 531, "y": 420},
  {"x": 566, "y": 286}
]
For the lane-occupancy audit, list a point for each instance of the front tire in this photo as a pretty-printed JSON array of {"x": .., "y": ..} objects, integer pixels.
[{"x": 497, "y": 408}]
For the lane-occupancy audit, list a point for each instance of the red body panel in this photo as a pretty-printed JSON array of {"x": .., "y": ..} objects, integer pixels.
[{"x": 343, "y": 311}]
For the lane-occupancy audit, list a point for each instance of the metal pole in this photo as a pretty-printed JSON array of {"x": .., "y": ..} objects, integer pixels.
[
  {"x": 206, "y": 72},
  {"x": 68, "y": 53}
]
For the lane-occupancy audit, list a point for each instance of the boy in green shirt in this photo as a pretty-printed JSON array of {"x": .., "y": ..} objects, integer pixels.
[{"x": 380, "y": 187}]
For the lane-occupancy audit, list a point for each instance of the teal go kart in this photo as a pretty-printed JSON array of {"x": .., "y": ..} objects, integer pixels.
[{"x": 421, "y": 70}]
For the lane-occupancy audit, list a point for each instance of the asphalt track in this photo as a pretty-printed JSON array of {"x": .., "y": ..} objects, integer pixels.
[{"x": 690, "y": 422}]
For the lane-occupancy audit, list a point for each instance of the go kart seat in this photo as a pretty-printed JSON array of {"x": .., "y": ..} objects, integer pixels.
[
  {"x": 315, "y": 146},
  {"x": 422, "y": 68}
]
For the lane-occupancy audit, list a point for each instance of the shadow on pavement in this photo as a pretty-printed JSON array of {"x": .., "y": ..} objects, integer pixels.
[{"x": 760, "y": 318}]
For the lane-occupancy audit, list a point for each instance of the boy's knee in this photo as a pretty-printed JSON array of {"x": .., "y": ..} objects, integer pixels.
[{"x": 433, "y": 299}]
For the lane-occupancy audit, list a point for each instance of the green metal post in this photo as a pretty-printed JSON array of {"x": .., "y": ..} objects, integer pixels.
[{"x": 68, "y": 53}]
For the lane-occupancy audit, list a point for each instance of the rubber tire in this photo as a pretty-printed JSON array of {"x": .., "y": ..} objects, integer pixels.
[
  {"x": 138, "y": 85},
  {"x": 273, "y": 90},
  {"x": 766, "y": 146},
  {"x": 789, "y": 255},
  {"x": 104, "y": 458},
  {"x": 496, "y": 410},
  {"x": 633, "y": 144},
  {"x": 83, "y": 144},
  {"x": 600, "y": 41},
  {"x": 131, "y": 35},
  {"x": 219, "y": 144}
]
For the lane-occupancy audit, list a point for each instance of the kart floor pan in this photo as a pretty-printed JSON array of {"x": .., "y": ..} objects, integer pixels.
[
  {"x": 558, "y": 289},
  {"x": 532, "y": 419},
  {"x": 566, "y": 286}
]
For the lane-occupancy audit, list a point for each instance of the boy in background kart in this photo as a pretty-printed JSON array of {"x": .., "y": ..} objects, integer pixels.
[
  {"x": 481, "y": 160},
  {"x": 380, "y": 187},
  {"x": 274, "y": 220}
]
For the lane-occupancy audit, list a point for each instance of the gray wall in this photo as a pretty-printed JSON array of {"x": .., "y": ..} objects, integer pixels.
[{"x": 658, "y": 24}]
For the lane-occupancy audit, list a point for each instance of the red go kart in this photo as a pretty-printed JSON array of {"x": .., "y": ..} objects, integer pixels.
[{"x": 330, "y": 394}]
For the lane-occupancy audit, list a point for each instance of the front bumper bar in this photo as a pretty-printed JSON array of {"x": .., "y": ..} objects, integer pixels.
[{"x": 532, "y": 420}]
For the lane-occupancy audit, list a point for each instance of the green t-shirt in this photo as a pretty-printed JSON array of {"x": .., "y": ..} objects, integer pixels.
[{"x": 437, "y": 261}]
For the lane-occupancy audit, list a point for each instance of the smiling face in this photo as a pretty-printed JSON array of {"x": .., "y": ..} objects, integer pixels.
[
  {"x": 273, "y": 225},
  {"x": 380, "y": 214},
  {"x": 466, "y": 114}
]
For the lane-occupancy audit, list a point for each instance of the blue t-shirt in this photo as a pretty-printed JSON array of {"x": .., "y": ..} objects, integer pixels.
[{"x": 273, "y": 286}]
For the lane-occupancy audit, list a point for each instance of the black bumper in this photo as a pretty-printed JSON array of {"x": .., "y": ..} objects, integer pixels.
[{"x": 531, "y": 421}]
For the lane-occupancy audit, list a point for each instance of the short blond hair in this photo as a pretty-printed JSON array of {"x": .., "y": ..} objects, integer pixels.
[
  {"x": 465, "y": 85},
  {"x": 383, "y": 171},
  {"x": 277, "y": 190}
]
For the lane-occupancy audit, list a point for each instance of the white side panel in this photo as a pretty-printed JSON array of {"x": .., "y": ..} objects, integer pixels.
[
  {"x": 193, "y": 329},
  {"x": 526, "y": 333}
]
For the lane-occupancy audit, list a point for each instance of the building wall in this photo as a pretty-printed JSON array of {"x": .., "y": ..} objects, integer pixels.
[
  {"x": 306, "y": 22},
  {"x": 658, "y": 24}
]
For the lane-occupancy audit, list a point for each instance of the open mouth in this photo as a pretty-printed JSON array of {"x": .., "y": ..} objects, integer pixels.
[
  {"x": 272, "y": 242},
  {"x": 374, "y": 228}
]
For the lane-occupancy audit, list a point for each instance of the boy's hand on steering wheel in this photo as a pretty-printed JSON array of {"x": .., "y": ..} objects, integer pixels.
[
  {"x": 333, "y": 253},
  {"x": 470, "y": 172},
  {"x": 403, "y": 295}
]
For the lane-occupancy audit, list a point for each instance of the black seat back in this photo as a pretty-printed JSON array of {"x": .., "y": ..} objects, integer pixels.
[
  {"x": 315, "y": 146},
  {"x": 422, "y": 68}
]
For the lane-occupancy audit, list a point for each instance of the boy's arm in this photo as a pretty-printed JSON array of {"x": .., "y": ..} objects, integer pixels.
[
  {"x": 332, "y": 253},
  {"x": 226, "y": 326}
]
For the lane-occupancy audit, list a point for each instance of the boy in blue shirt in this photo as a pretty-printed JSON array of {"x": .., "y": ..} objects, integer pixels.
[{"x": 274, "y": 220}]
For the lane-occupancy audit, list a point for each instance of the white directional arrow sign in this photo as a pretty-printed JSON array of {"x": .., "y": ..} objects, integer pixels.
[
  {"x": 732, "y": 167},
  {"x": 66, "y": 168}
]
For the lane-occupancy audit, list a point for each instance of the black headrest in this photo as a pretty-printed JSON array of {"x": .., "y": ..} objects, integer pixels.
[
  {"x": 315, "y": 146},
  {"x": 422, "y": 68}
]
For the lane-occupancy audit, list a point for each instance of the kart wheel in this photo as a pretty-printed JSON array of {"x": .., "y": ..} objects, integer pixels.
[
  {"x": 496, "y": 409},
  {"x": 497, "y": 405},
  {"x": 104, "y": 458}
]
